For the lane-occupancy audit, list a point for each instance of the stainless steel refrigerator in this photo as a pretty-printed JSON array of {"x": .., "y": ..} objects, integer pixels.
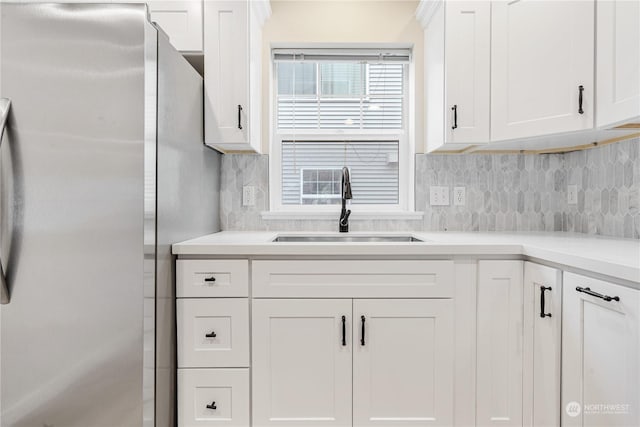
[{"x": 102, "y": 169}]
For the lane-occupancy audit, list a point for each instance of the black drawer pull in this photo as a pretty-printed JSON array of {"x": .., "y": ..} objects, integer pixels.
[
  {"x": 212, "y": 406},
  {"x": 455, "y": 117},
  {"x": 344, "y": 330},
  {"x": 239, "y": 116},
  {"x": 542, "y": 313},
  {"x": 212, "y": 334},
  {"x": 210, "y": 279},
  {"x": 588, "y": 291},
  {"x": 580, "y": 90},
  {"x": 362, "y": 320}
]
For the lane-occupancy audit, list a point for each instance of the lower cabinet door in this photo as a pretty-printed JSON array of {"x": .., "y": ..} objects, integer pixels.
[
  {"x": 301, "y": 361},
  {"x": 600, "y": 353},
  {"x": 499, "y": 343},
  {"x": 213, "y": 398},
  {"x": 542, "y": 331},
  {"x": 403, "y": 362}
]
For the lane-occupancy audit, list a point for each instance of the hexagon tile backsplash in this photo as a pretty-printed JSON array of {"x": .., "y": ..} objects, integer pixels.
[{"x": 504, "y": 192}]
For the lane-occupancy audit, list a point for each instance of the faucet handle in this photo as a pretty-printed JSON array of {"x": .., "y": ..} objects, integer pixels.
[{"x": 345, "y": 219}]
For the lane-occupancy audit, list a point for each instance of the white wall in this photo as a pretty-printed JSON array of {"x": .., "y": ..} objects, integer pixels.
[{"x": 343, "y": 21}]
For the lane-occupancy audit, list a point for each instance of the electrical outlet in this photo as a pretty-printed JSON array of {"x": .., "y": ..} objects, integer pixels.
[
  {"x": 439, "y": 196},
  {"x": 459, "y": 196},
  {"x": 572, "y": 194},
  {"x": 248, "y": 195}
]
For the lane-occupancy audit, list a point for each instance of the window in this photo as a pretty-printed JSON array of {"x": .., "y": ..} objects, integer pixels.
[
  {"x": 318, "y": 186},
  {"x": 335, "y": 108}
]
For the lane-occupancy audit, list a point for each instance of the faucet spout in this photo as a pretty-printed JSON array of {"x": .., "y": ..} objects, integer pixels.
[
  {"x": 346, "y": 194},
  {"x": 346, "y": 184}
]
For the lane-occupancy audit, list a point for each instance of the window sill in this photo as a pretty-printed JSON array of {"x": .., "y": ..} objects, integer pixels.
[{"x": 355, "y": 216}]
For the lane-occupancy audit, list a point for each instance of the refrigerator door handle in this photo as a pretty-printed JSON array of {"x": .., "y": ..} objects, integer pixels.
[{"x": 5, "y": 106}]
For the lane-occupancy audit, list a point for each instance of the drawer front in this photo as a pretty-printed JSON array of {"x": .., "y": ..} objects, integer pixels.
[
  {"x": 352, "y": 279},
  {"x": 213, "y": 333},
  {"x": 212, "y": 278},
  {"x": 213, "y": 397}
]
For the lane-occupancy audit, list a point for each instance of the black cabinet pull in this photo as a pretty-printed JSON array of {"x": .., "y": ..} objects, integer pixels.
[
  {"x": 239, "y": 117},
  {"x": 344, "y": 330},
  {"x": 212, "y": 406},
  {"x": 580, "y": 90},
  {"x": 362, "y": 320},
  {"x": 210, "y": 279},
  {"x": 455, "y": 116},
  {"x": 212, "y": 334},
  {"x": 542, "y": 313},
  {"x": 588, "y": 291}
]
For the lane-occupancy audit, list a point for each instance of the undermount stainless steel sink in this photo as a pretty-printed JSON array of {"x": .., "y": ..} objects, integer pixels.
[{"x": 346, "y": 238}]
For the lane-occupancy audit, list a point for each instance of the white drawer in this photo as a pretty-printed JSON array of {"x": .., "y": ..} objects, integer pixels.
[
  {"x": 213, "y": 397},
  {"x": 212, "y": 278},
  {"x": 352, "y": 279},
  {"x": 213, "y": 333}
]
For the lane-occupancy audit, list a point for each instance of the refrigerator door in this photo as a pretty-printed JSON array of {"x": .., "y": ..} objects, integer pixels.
[{"x": 72, "y": 204}]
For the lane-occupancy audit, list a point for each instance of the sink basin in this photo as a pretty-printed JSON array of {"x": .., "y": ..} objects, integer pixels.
[{"x": 346, "y": 238}]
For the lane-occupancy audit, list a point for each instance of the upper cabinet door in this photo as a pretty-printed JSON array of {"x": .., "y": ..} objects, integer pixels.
[
  {"x": 403, "y": 362},
  {"x": 499, "y": 343},
  {"x": 226, "y": 65},
  {"x": 468, "y": 65},
  {"x": 542, "y": 67},
  {"x": 618, "y": 62},
  {"x": 301, "y": 362},
  {"x": 457, "y": 42},
  {"x": 600, "y": 353},
  {"x": 181, "y": 20},
  {"x": 233, "y": 73}
]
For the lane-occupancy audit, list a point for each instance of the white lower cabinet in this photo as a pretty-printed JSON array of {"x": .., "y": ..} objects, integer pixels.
[
  {"x": 369, "y": 343},
  {"x": 499, "y": 343},
  {"x": 600, "y": 353},
  {"x": 542, "y": 340},
  {"x": 213, "y": 397},
  {"x": 403, "y": 362},
  {"x": 390, "y": 361},
  {"x": 301, "y": 364},
  {"x": 213, "y": 332}
]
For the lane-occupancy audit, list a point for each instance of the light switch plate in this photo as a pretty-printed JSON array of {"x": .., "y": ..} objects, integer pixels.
[
  {"x": 572, "y": 194},
  {"x": 438, "y": 196},
  {"x": 459, "y": 196},
  {"x": 248, "y": 195}
]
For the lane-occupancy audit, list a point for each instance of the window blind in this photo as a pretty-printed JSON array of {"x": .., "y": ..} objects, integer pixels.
[{"x": 373, "y": 167}]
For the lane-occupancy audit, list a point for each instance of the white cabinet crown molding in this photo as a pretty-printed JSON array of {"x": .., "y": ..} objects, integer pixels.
[
  {"x": 425, "y": 11},
  {"x": 262, "y": 9}
]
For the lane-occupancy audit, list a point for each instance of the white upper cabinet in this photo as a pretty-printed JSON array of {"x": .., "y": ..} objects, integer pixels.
[
  {"x": 181, "y": 20},
  {"x": 618, "y": 62},
  {"x": 457, "y": 69},
  {"x": 542, "y": 66},
  {"x": 233, "y": 73},
  {"x": 600, "y": 353}
]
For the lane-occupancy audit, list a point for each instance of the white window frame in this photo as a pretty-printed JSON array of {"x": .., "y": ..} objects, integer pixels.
[{"x": 404, "y": 136}]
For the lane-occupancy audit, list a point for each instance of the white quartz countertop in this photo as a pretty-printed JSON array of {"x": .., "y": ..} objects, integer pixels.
[{"x": 617, "y": 258}]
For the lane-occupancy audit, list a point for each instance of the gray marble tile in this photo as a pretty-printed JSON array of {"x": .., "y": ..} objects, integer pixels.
[{"x": 504, "y": 193}]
